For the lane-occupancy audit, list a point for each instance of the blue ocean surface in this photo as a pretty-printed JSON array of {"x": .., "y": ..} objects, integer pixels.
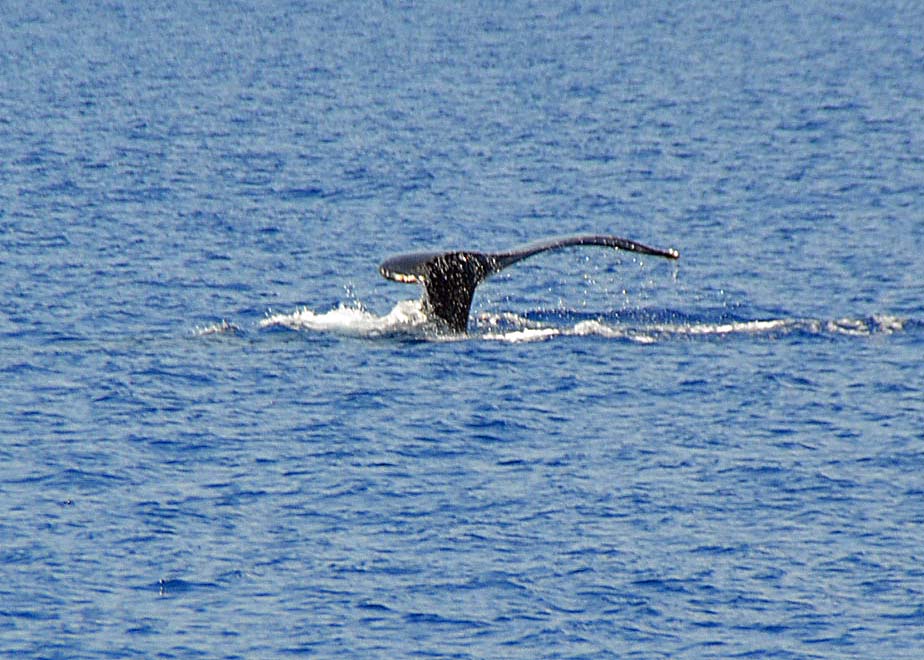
[{"x": 224, "y": 435}]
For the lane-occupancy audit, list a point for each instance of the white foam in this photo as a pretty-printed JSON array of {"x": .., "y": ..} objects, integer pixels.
[
  {"x": 499, "y": 319},
  {"x": 889, "y": 324},
  {"x": 521, "y": 336},
  {"x": 353, "y": 320},
  {"x": 223, "y": 327},
  {"x": 408, "y": 317},
  {"x": 650, "y": 333},
  {"x": 656, "y": 331},
  {"x": 736, "y": 327},
  {"x": 883, "y": 324},
  {"x": 598, "y": 329}
]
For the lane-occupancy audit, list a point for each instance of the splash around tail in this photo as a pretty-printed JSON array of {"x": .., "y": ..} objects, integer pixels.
[
  {"x": 406, "y": 318},
  {"x": 409, "y": 319}
]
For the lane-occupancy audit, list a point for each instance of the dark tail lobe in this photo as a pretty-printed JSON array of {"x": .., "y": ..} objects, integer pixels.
[{"x": 510, "y": 257}]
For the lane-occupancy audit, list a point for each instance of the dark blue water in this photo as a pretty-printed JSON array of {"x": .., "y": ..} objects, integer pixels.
[{"x": 224, "y": 435}]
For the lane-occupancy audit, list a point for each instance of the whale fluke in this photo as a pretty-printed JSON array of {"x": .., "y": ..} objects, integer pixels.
[{"x": 450, "y": 278}]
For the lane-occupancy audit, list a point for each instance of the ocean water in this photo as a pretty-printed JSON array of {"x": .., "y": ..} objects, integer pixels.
[{"x": 223, "y": 434}]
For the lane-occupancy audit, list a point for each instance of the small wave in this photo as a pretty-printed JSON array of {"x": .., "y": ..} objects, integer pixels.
[
  {"x": 354, "y": 320},
  {"x": 221, "y": 328},
  {"x": 877, "y": 324}
]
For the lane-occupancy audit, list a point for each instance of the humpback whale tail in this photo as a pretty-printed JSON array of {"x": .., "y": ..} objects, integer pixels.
[{"x": 450, "y": 278}]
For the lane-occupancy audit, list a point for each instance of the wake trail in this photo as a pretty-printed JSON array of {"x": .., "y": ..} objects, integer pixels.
[
  {"x": 408, "y": 318},
  {"x": 650, "y": 333}
]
